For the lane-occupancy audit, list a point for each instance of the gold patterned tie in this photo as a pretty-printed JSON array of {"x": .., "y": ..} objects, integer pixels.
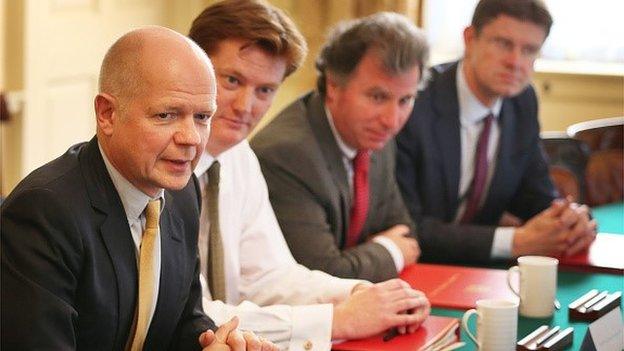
[
  {"x": 216, "y": 274},
  {"x": 146, "y": 274}
]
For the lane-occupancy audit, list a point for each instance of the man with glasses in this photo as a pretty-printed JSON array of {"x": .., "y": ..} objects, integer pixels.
[{"x": 470, "y": 154}]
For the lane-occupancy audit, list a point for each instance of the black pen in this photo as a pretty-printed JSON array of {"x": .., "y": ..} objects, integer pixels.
[{"x": 391, "y": 334}]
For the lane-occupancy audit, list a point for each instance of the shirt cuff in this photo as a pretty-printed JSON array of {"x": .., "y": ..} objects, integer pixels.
[
  {"x": 311, "y": 327},
  {"x": 394, "y": 251},
  {"x": 503, "y": 242}
]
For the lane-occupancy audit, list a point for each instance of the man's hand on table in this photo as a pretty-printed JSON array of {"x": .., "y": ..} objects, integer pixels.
[
  {"x": 227, "y": 338},
  {"x": 562, "y": 229},
  {"x": 372, "y": 309}
]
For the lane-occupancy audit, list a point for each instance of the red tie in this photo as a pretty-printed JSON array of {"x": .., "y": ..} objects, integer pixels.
[
  {"x": 359, "y": 207},
  {"x": 477, "y": 187}
]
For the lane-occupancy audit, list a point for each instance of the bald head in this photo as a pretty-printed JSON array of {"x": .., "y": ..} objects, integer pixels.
[
  {"x": 157, "y": 95},
  {"x": 141, "y": 55}
]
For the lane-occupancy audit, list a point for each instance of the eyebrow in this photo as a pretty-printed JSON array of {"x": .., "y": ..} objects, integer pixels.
[
  {"x": 203, "y": 108},
  {"x": 377, "y": 89},
  {"x": 238, "y": 74}
]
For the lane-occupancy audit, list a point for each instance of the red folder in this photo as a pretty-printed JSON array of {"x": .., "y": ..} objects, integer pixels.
[
  {"x": 433, "y": 329},
  {"x": 457, "y": 287},
  {"x": 606, "y": 254}
]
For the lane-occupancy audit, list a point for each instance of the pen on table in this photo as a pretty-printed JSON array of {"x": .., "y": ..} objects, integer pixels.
[{"x": 391, "y": 334}]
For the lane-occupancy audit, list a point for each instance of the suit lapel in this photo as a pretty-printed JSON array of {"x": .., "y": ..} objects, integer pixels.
[
  {"x": 447, "y": 136},
  {"x": 331, "y": 154},
  {"x": 115, "y": 233},
  {"x": 375, "y": 183}
]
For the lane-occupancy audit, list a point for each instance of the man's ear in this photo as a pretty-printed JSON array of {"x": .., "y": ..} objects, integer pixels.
[
  {"x": 470, "y": 34},
  {"x": 105, "y": 112},
  {"x": 331, "y": 87}
]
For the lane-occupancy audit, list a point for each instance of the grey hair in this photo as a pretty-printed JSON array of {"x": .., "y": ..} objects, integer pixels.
[{"x": 398, "y": 42}]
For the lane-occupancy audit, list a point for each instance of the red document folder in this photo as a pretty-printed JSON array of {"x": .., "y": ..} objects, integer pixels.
[
  {"x": 457, "y": 287},
  {"x": 606, "y": 254},
  {"x": 434, "y": 328}
]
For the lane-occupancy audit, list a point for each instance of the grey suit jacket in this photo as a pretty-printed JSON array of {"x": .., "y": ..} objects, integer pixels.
[
  {"x": 428, "y": 171},
  {"x": 310, "y": 194},
  {"x": 69, "y": 271}
]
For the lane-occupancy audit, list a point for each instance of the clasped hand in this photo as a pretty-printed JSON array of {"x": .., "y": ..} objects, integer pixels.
[
  {"x": 228, "y": 338},
  {"x": 374, "y": 308},
  {"x": 564, "y": 228}
]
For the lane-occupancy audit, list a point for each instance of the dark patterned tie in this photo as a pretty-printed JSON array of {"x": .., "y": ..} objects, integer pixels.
[
  {"x": 477, "y": 186},
  {"x": 359, "y": 208},
  {"x": 216, "y": 274}
]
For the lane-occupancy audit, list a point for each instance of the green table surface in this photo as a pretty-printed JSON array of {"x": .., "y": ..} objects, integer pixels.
[
  {"x": 610, "y": 218},
  {"x": 570, "y": 286}
]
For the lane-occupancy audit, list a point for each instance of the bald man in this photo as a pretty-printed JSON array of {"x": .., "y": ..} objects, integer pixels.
[{"x": 99, "y": 247}]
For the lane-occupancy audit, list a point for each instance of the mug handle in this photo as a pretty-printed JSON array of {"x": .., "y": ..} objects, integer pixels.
[
  {"x": 465, "y": 319},
  {"x": 511, "y": 270}
]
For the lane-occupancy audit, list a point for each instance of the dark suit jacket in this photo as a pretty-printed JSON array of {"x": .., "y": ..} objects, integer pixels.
[
  {"x": 69, "y": 272},
  {"x": 310, "y": 193},
  {"x": 428, "y": 171}
]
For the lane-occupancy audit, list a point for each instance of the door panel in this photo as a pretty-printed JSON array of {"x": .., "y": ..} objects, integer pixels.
[{"x": 64, "y": 44}]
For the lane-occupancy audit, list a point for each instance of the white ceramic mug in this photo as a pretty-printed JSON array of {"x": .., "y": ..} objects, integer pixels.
[
  {"x": 497, "y": 324},
  {"x": 538, "y": 285}
]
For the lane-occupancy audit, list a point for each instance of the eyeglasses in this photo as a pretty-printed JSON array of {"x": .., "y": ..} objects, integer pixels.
[{"x": 504, "y": 45}]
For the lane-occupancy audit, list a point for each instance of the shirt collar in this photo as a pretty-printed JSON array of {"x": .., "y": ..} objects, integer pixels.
[
  {"x": 205, "y": 161},
  {"x": 347, "y": 151},
  {"x": 132, "y": 199},
  {"x": 471, "y": 110}
]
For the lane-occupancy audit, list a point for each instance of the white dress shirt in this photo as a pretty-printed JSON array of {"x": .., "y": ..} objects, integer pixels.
[
  {"x": 259, "y": 268},
  {"x": 471, "y": 114},
  {"x": 134, "y": 202},
  {"x": 348, "y": 154}
]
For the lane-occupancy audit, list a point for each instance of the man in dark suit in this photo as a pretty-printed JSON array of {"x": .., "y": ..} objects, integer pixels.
[
  {"x": 99, "y": 247},
  {"x": 471, "y": 149},
  {"x": 328, "y": 159}
]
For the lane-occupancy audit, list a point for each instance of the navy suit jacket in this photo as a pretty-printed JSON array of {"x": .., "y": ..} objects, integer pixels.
[
  {"x": 428, "y": 171},
  {"x": 69, "y": 271}
]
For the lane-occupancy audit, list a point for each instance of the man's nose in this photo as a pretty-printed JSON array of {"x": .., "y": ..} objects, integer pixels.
[
  {"x": 390, "y": 116},
  {"x": 189, "y": 132},
  {"x": 243, "y": 101},
  {"x": 514, "y": 57}
]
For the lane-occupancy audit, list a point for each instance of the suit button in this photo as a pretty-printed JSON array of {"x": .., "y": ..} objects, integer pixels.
[{"x": 307, "y": 345}]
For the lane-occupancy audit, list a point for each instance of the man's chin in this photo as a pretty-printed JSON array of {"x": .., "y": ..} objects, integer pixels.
[
  {"x": 512, "y": 90},
  {"x": 223, "y": 143},
  {"x": 177, "y": 184},
  {"x": 374, "y": 145}
]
